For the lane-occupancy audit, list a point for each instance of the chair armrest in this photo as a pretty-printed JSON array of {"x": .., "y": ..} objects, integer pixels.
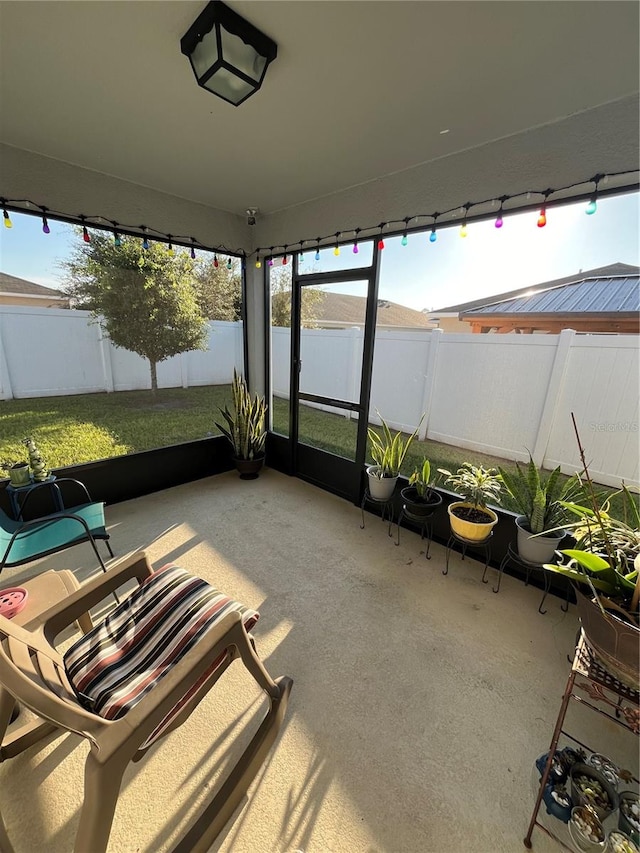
[
  {"x": 54, "y": 486},
  {"x": 64, "y": 613},
  {"x": 38, "y": 522}
]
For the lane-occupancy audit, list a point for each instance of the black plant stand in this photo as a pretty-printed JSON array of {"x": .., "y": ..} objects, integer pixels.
[
  {"x": 482, "y": 545},
  {"x": 385, "y": 505},
  {"x": 512, "y": 556},
  {"x": 425, "y": 522}
]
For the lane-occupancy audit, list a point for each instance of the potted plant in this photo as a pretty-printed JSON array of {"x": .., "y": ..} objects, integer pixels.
[
  {"x": 245, "y": 428},
  {"x": 606, "y": 564},
  {"x": 18, "y": 471},
  {"x": 470, "y": 518},
  {"x": 540, "y": 503},
  {"x": 388, "y": 453},
  {"x": 420, "y": 498}
]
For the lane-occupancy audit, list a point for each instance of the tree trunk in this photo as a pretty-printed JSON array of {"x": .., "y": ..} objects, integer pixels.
[{"x": 154, "y": 376}]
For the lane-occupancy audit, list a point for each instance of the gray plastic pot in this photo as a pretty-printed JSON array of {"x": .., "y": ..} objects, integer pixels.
[{"x": 536, "y": 549}]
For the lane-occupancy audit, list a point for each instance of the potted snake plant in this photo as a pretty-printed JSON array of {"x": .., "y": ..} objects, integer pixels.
[
  {"x": 541, "y": 503},
  {"x": 388, "y": 453},
  {"x": 245, "y": 428}
]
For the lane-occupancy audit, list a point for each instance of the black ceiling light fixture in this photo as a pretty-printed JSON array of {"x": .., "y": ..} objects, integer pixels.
[{"x": 229, "y": 56}]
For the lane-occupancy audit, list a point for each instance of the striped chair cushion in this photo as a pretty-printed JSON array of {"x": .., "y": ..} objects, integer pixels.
[{"x": 117, "y": 663}]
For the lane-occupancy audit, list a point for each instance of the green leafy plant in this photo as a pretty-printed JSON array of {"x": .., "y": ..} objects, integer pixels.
[
  {"x": 607, "y": 553},
  {"x": 245, "y": 425},
  {"x": 540, "y": 499},
  {"x": 388, "y": 451},
  {"x": 421, "y": 479},
  {"x": 475, "y": 484}
]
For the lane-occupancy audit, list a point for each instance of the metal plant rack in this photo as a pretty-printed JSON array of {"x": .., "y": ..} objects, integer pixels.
[{"x": 621, "y": 705}]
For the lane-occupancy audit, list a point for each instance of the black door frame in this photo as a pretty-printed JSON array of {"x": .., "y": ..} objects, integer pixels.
[{"x": 331, "y": 472}]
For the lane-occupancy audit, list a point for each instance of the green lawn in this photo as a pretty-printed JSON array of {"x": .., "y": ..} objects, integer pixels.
[{"x": 85, "y": 427}]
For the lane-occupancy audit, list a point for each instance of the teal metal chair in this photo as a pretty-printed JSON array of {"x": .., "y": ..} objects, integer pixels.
[{"x": 24, "y": 541}]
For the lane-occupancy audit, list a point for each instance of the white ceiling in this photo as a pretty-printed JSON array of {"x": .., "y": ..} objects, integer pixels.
[{"x": 358, "y": 90}]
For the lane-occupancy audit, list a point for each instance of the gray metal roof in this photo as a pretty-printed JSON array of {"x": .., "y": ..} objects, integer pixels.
[
  {"x": 606, "y": 295},
  {"x": 617, "y": 269}
]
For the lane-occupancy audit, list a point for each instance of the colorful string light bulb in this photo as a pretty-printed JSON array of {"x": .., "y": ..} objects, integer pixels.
[
  {"x": 85, "y": 234},
  {"x": 7, "y": 219},
  {"x": 542, "y": 216},
  {"x": 434, "y": 236},
  {"x": 405, "y": 239},
  {"x": 592, "y": 207},
  {"x": 117, "y": 240},
  {"x": 285, "y": 259},
  {"x": 193, "y": 250},
  {"x": 499, "y": 221},
  {"x": 355, "y": 242},
  {"x": 170, "y": 247},
  {"x": 270, "y": 261},
  {"x": 145, "y": 243},
  {"x": 45, "y": 226},
  {"x": 258, "y": 263},
  {"x": 463, "y": 227},
  {"x": 215, "y": 260},
  {"x": 228, "y": 263},
  {"x": 317, "y": 254},
  {"x": 381, "y": 240},
  {"x": 336, "y": 250}
]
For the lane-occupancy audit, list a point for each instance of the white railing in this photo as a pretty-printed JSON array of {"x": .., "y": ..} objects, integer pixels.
[{"x": 499, "y": 394}]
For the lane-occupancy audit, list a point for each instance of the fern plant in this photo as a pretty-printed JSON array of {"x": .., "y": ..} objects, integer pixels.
[
  {"x": 245, "y": 425},
  {"x": 540, "y": 499},
  {"x": 388, "y": 451}
]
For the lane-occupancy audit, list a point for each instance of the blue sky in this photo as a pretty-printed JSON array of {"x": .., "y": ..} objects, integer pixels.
[{"x": 421, "y": 274}]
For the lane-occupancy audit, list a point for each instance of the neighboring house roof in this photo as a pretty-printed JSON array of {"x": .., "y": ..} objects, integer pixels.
[
  {"x": 606, "y": 295},
  {"x": 338, "y": 308},
  {"x": 606, "y": 272},
  {"x": 22, "y": 287}
]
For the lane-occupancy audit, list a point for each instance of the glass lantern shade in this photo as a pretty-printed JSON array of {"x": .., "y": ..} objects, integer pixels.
[{"x": 228, "y": 55}]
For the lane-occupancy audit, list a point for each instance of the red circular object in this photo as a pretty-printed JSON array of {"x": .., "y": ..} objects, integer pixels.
[{"x": 12, "y": 601}]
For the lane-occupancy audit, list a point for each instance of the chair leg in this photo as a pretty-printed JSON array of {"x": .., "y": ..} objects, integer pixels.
[
  {"x": 211, "y": 822},
  {"x": 101, "y": 789},
  {"x": 106, "y": 542}
]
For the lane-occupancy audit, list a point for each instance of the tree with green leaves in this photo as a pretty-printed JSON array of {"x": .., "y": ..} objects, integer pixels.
[
  {"x": 312, "y": 299},
  {"x": 219, "y": 288},
  {"x": 143, "y": 299}
]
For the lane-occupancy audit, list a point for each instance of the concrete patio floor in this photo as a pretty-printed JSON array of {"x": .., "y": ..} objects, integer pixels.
[{"x": 419, "y": 704}]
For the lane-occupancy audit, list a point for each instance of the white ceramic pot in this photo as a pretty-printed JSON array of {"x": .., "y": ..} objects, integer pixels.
[{"x": 380, "y": 488}]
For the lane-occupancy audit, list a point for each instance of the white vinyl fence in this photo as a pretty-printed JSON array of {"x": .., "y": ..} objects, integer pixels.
[
  {"x": 499, "y": 394},
  {"x": 47, "y": 352}
]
